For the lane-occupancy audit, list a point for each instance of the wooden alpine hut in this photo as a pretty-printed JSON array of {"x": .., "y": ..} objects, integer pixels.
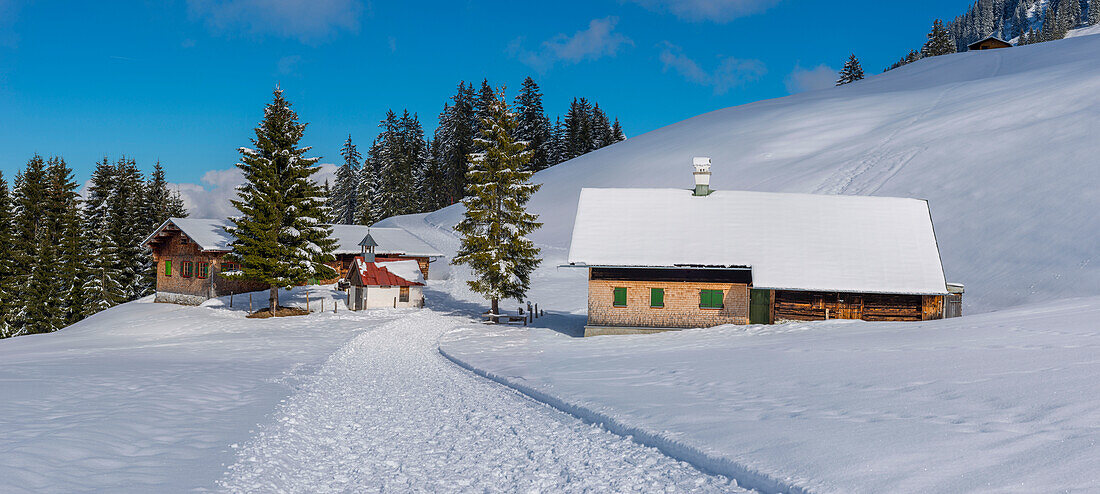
[{"x": 664, "y": 259}]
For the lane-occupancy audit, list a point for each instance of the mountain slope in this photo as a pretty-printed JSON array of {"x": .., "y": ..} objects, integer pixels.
[{"x": 1002, "y": 143}]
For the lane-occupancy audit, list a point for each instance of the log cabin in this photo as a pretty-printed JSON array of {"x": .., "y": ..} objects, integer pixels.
[
  {"x": 189, "y": 254},
  {"x": 668, "y": 259},
  {"x": 990, "y": 43}
]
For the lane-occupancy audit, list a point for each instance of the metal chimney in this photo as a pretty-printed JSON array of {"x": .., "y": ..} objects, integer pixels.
[{"x": 702, "y": 175}]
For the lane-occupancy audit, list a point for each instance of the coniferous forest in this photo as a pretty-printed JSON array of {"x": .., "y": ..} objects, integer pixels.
[
  {"x": 64, "y": 257},
  {"x": 403, "y": 172}
]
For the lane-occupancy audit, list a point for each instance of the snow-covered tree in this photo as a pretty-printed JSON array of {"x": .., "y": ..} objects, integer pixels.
[
  {"x": 534, "y": 127},
  {"x": 940, "y": 41},
  {"x": 101, "y": 278},
  {"x": 1094, "y": 12},
  {"x": 281, "y": 238},
  {"x": 454, "y": 141},
  {"x": 496, "y": 223},
  {"x": 343, "y": 201},
  {"x": 851, "y": 72},
  {"x": 126, "y": 230},
  {"x": 617, "y": 131}
]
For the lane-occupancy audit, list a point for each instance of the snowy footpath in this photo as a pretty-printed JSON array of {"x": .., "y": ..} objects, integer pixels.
[{"x": 387, "y": 412}]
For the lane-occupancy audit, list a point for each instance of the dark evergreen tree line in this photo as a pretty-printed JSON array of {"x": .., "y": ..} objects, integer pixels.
[
  {"x": 404, "y": 172},
  {"x": 66, "y": 258}
]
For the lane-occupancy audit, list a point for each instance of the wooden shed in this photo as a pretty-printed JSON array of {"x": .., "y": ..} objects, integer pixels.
[
  {"x": 376, "y": 284},
  {"x": 661, "y": 259},
  {"x": 990, "y": 43}
]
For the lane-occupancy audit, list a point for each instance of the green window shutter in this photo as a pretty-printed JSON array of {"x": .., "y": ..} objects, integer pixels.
[
  {"x": 620, "y": 297},
  {"x": 710, "y": 299},
  {"x": 167, "y": 267},
  {"x": 656, "y": 297}
]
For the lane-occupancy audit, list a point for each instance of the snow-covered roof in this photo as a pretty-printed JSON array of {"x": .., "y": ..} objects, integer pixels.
[
  {"x": 791, "y": 241},
  {"x": 210, "y": 235},
  {"x": 395, "y": 273},
  {"x": 394, "y": 241},
  {"x": 407, "y": 269}
]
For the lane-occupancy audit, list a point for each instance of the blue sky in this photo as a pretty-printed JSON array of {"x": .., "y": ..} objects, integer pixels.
[{"x": 185, "y": 82}]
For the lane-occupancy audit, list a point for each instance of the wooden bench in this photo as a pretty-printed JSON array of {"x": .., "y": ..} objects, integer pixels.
[{"x": 506, "y": 318}]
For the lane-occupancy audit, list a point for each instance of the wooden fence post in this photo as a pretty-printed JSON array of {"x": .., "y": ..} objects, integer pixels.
[
  {"x": 230, "y": 300},
  {"x": 249, "y": 301}
]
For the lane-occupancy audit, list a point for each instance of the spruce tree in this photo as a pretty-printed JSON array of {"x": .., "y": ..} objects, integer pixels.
[
  {"x": 600, "y": 126},
  {"x": 345, "y": 192},
  {"x": 1094, "y": 12},
  {"x": 101, "y": 277},
  {"x": 578, "y": 129},
  {"x": 560, "y": 137},
  {"x": 534, "y": 127},
  {"x": 454, "y": 141},
  {"x": 940, "y": 41},
  {"x": 281, "y": 236},
  {"x": 617, "y": 131},
  {"x": 364, "y": 194},
  {"x": 65, "y": 229},
  {"x": 496, "y": 224},
  {"x": 7, "y": 261},
  {"x": 35, "y": 309},
  {"x": 127, "y": 231},
  {"x": 851, "y": 72}
]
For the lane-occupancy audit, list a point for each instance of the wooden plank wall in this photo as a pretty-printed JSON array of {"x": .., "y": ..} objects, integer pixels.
[{"x": 812, "y": 306}]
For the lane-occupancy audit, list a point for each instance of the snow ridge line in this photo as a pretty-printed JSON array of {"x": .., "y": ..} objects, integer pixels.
[{"x": 745, "y": 476}]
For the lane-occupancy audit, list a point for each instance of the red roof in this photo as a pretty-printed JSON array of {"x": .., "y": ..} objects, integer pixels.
[{"x": 373, "y": 275}]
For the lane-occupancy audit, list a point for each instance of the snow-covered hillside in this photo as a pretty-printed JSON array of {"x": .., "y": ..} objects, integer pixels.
[{"x": 1003, "y": 143}]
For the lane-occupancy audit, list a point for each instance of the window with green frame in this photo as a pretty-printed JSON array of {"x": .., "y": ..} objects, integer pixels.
[
  {"x": 188, "y": 269},
  {"x": 620, "y": 297},
  {"x": 204, "y": 269},
  {"x": 710, "y": 299},
  {"x": 656, "y": 297},
  {"x": 167, "y": 267}
]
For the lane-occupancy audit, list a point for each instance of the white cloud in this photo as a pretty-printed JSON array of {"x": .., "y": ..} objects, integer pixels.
[
  {"x": 210, "y": 199},
  {"x": 730, "y": 72},
  {"x": 599, "y": 40},
  {"x": 708, "y": 10},
  {"x": 287, "y": 64},
  {"x": 819, "y": 77},
  {"x": 306, "y": 20}
]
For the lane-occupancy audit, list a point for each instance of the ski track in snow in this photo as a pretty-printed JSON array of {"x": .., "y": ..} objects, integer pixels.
[{"x": 387, "y": 412}]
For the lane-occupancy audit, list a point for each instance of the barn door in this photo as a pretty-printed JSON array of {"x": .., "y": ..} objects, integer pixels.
[{"x": 760, "y": 305}]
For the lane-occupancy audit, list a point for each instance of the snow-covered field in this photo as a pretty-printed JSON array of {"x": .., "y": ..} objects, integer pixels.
[
  {"x": 149, "y": 397},
  {"x": 998, "y": 402}
]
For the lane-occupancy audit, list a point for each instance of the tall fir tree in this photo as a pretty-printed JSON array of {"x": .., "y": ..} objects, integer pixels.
[
  {"x": 101, "y": 278},
  {"x": 413, "y": 157},
  {"x": 7, "y": 261},
  {"x": 940, "y": 41},
  {"x": 65, "y": 229},
  {"x": 1094, "y": 12},
  {"x": 366, "y": 186},
  {"x": 124, "y": 207},
  {"x": 617, "y": 131},
  {"x": 578, "y": 129},
  {"x": 344, "y": 199},
  {"x": 560, "y": 138},
  {"x": 534, "y": 127},
  {"x": 454, "y": 141},
  {"x": 281, "y": 236},
  {"x": 601, "y": 132},
  {"x": 496, "y": 223},
  {"x": 36, "y": 308},
  {"x": 851, "y": 72}
]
